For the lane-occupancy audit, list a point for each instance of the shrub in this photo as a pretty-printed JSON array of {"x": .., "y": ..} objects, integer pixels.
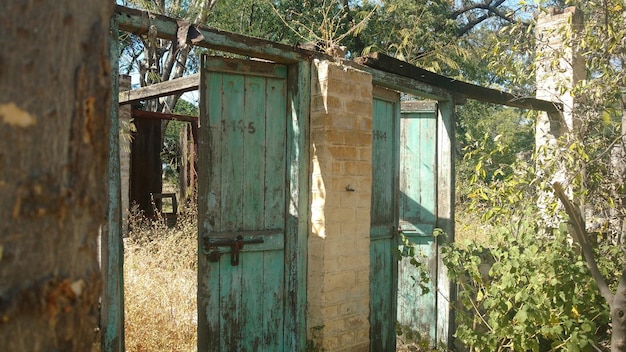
[{"x": 532, "y": 294}]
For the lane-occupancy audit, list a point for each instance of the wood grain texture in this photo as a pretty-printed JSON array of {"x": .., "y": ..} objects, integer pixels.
[
  {"x": 137, "y": 21},
  {"x": 242, "y": 307},
  {"x": 386, "y": 63},
  {"x": 55, "y": 97},
  {"x": 383, "y": 220},
  {"x": 418, "y": 215}
]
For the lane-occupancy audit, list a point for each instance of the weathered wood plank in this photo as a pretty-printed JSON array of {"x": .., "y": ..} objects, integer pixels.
[
  {"x": 209, "y": 219},
  {"x": 418, "y": 203},
  {"x": 297, "y": 204},
  {"x": 248, "y": 158},
  {"x": 402, "y": 84},
  {"x": 445, "y": 218},
  {"x": 275, "y": 152},
  {"x": 171, "y": 87},
  {"x": 138, "y": 22},
  {"x": 252, "y": 125},
  {"x": 244, "y": 67},
  {"x": 383, "y": 220},
  {"x": 112, "y": 319},
  {"x": 273, "y": 314},
  {"x": 471, "y": 91},
  {"x": 232, "y": 152}
]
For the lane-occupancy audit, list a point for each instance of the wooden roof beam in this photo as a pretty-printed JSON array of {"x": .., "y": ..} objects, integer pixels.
[
  {"x": 152, "y": 115},
  {"x": 386, "y": 63},
  {"x": 172, "y": 87},
  {"x": 137, "y": 22}
]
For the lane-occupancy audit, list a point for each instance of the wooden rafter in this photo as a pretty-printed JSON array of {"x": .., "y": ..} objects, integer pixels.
[
  {"x": 471, "y": 91},
  {"x": 175, "y": 86},
  {"x": 137, "y": 22}
]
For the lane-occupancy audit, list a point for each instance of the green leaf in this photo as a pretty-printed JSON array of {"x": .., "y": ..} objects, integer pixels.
[{"x": 521, "y": 316}]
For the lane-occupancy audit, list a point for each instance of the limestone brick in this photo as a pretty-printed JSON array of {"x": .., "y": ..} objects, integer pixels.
[{"x": 338, "y": 259}]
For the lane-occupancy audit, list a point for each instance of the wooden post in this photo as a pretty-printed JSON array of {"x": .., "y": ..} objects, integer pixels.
[
  {"x": 124, "y": 148},
  {"x": 445, "y": 219},
  {"x": 112, "y": 310}
]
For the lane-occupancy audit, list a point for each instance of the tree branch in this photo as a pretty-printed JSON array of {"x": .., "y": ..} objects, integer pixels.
[
  {"x": 490, "y": 7},
  {"x": 580, "y": 235},
  {"x": 487, "y": 5}
]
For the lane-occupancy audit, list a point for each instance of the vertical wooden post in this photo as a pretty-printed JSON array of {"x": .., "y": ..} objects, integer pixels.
[
  {"x": 112, "y": 309},
  {"x": 445, "y": 218},
  {"x": 124, "y": 115},
  {"x": 299, "y": 78}
]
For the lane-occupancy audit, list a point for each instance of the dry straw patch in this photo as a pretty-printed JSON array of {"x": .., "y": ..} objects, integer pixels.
[{"x": 160, "y": 285}]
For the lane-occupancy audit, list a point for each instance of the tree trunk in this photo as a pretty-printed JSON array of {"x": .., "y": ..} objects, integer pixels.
[
  {"x": 618, "y": 316},
  {"x": 54, "y": 105},
  {"x": 617, "y": 301}
]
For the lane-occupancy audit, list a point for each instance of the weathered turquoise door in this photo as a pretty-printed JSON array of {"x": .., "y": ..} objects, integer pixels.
[
  {"x": 417, "y": 310},
  {"x": 384, "y": 215},
  {"x": 243, "y": 195}
]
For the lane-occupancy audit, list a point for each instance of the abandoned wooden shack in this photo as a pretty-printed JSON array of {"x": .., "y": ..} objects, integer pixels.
[{"x": 310, "y": 168}]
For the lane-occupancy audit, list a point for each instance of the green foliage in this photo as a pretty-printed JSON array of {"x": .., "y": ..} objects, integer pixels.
[
  {"x": 249, "y": 17},
  {"x": 408, "y": 251},
  {"x": 527, "y": 295},
  {"x": 412, "y": 30},
  {"x": 505, "y": 134},
  {"x": 171, "y": 152},
  {"x": 527, "y": 288},
  {"x": 407, "y": 335}
]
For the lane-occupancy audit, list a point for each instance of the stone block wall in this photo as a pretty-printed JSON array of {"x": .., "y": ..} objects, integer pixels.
[
  {"x": 339, "y": 252},
  {"x": 559, "y": 68}
]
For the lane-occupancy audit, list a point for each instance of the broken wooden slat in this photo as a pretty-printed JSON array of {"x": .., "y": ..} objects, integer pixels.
[
  {"x": 471, "y": 91},
  {"x": 175, "y": 86}
]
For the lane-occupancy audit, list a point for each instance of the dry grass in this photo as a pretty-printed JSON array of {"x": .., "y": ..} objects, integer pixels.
[
  {"x": 160, "y": 285},
  {"x": 160, "y": 282}
]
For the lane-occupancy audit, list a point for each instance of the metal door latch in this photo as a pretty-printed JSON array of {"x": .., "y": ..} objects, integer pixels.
[{"x": 235, "y": 244}]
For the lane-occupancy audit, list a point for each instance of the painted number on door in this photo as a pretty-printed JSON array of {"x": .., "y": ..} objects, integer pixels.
[
  {"x": 379, "y": 135},
  {"x": 238, "y": 125}
]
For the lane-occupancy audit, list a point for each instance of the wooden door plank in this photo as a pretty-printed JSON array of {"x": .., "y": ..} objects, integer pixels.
[
  {"x": 209, "y": 306},
  {"x": 382, "y": 312},
  {"x": 214, "y": 148},
  {"x": 275, "y": 139},
  {"x": 418, "y": 310},
  {"x": 383, "y": 221},
  {"x": 251, "y": 181},
  {"x": 252, "y": 307},
  {"x": 273, "y": 293},
  {"x": 253, "y": 172},
  {"x": 230, "y": 313},
  {"x": 252, "y": 125},
  {"x": 417, "y": 220},
  {"x": 232, "y": 153},
  {"x": 209, "y": 275}
]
